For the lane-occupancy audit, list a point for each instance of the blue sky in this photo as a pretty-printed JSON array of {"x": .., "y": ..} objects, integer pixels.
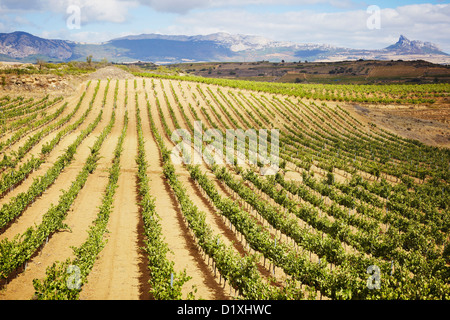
[{"x": 340, "y": 23}]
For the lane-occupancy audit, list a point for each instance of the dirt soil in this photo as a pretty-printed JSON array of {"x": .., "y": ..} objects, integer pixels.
[
  {"x": 111, "y": 73},
  {"x": 430, "y": 125},
  {"x": 32, "y": 84}
]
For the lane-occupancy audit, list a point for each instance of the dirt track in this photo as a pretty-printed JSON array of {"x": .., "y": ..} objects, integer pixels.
[{"x": 116, "y": 273}]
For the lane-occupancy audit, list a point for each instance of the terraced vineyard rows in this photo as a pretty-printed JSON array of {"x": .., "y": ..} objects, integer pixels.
[{"x": 97, "y": 204}]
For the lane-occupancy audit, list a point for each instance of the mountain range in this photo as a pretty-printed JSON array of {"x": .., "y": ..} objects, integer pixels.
[{"x": 219, "y": 47}]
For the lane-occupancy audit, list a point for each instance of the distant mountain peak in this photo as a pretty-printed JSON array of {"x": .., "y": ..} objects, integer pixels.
[
  {"x": 403, "y": 38},
  {"x": 406, "y": 46},
  {"x": 21, "y": 44},
  {"x": 20, "y": 33}
]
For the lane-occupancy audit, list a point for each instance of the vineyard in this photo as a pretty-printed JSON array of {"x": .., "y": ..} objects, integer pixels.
[{"x": 93, "y": 205}]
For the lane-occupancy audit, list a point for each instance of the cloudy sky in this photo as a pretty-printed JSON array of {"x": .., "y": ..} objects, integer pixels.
[{"x": 347, "y": 23}]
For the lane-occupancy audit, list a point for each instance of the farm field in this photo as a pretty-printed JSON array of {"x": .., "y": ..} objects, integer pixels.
[
  {"x": 93, "y": 205},
  {"x": 338, "y": 72}
]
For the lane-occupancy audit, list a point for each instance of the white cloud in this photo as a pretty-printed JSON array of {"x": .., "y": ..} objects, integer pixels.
[
  {"x": 22, "y": 5},
  {"x": 115, "y": 11},
  {"x": 175, "y": 6},
  {"x": 184, "y": 6},
  {"x": 106, "y": 10},
  {"x": 348, "y": 28},
  {"x": 112, "y": 9}
]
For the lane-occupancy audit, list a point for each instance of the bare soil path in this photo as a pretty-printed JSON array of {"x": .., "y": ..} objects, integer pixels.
[
  {"x": 181, "y": 243},
  {"x": 117, "y": 274}
]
